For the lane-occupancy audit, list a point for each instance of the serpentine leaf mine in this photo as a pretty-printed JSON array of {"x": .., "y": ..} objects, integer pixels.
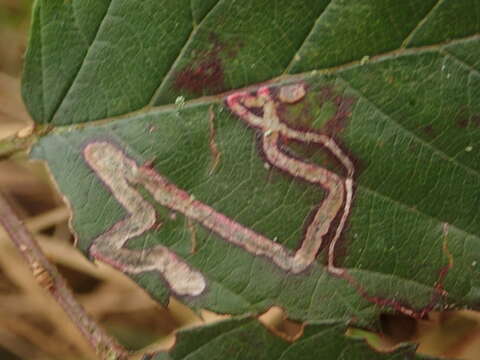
[
  {"x": 120, "y": 174},
  {"x": 260, "y": 111}
]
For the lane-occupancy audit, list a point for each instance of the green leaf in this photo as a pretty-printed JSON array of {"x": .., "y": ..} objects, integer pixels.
[
  {"x": 145, "y": 84},
  {"x": 247, "y": 339}
]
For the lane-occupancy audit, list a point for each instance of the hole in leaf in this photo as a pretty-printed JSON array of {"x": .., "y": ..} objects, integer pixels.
[
  {"x": 275, "y": 319},
  {"x": 80, "y": 282},
  {"x": 398, "y": 327}
]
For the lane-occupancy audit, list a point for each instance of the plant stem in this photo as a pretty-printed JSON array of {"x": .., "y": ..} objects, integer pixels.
[
  {"x": 11, "y": 145},
  {"x": 21, "y": 141},
  {"x": 49, "y": 278}
]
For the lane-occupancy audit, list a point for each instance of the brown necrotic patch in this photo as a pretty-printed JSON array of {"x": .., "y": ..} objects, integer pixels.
[
  {"x": 205, "y": 73},
  {"x": 466, "y": 118},
  {"x": 216, "y": 155},
  {"x": 429, "y": 131},
  {"x": 343, "y": 108}
]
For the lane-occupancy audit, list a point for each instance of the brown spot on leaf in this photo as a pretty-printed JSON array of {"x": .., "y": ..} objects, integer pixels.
[
  {"x": 212, "y": 143},
  {"x": 206, "y": 72},
  {"x": 343, "y": 105},
  {"x": 208, "y": 75},
  {"x": 464, "y": 120},
  {"x": 475, "y": 120},
  {"x": 256, "y": 110},
  {"x": 193, "y": 235},
  {"x": 398, "y": 327},
  {"x": 429, "y": 130}
]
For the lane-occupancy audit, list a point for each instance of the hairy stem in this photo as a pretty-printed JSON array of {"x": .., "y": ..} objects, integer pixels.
[{"x": 50, "y": 279}]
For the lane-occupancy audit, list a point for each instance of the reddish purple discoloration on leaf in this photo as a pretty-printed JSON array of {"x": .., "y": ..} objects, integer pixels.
[
  {"x": 429, "y": 130},
  {"x": 472, "y": 121},
  {"x": 206, "y": 72},
  {"x": 343, "y": 105},
  {"x": 303, "y": 118},
  {"x": 466, "y": 118}
]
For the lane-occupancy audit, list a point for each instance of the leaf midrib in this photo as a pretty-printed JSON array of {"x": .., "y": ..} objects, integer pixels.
[
  {"x": 402, "y": 48},
  {"x": 79, "y": 69},
  {"x": 284, "y": 78},
  {"x": 182, "y": 51}
]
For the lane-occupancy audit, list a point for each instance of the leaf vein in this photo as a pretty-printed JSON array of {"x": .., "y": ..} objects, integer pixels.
[
  {"x": 428, "y": 145},
  {"x": 460, "y": 61},
  {"x": 420, "y": 24},
  {"x": 180, "y": 55},
  {"x": 219, "y": 336},
  {"x": 292, "y": 60},
  {"x": 74, "y": 79}
]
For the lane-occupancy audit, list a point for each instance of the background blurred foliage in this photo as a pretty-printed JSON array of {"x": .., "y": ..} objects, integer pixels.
[{"x": 14, "y": 22}]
